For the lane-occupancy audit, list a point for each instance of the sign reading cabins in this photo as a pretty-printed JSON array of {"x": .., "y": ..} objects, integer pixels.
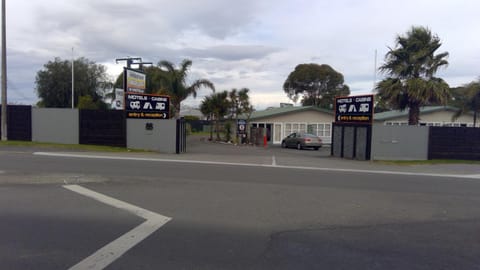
[
  {"x": 354, "y": 109},
  {"x": 144, "y": 106}
]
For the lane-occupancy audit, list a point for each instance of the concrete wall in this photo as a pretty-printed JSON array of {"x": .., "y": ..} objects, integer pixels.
[
  {"x": 161, "y": 138},
  {"x": 55, "y": 125},
  {"x": 400, "y": 142}
]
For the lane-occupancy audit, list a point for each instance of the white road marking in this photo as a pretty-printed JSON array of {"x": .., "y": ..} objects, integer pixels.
[
  {"x": 114, "y": 250},
  {"x": 274, "y": 161},
  {"x": 468, "y": 176}
]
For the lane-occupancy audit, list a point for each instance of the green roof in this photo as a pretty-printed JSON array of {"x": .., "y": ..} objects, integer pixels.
[
  {"x": 286, "y": 110},
  {"x": 397, "y": 113}
]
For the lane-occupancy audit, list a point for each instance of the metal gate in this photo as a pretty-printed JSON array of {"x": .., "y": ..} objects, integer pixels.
[{"x": 181, "y": 141}]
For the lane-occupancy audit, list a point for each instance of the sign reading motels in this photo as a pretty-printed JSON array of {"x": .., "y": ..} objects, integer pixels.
[
  {"x": 145, "y": 106},
  {"x": 354, "y": 109},
  {"x": 134, "y": 80}
]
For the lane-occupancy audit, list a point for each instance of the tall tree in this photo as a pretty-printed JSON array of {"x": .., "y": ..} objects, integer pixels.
[
  {"x": 54, "y": 83},
  {"x": 318, "y": 84},
  {"x": 410, "y": 68},
  {"x": 467, "y": 98},
  {"x": 174, "y": 83},
  {"x": 239, "y": 104}
]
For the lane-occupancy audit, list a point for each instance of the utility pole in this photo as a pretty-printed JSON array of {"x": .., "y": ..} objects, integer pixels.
[
  {"x": 375, "y": 71},
  {"x": 4, "y": 75},
  {"x": 73, "y": 83}
]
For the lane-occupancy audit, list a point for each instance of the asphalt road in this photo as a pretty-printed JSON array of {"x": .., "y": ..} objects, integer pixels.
[{"x": 230, "y": 215}]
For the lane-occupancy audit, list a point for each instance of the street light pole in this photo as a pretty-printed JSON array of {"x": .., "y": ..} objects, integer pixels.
[{"x": 4, "y": 76}]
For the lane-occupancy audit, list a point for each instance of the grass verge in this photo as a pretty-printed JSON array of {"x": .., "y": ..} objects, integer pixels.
[
  {"x": 76, "y": 147},
  {"x": 427, "y": 162}
]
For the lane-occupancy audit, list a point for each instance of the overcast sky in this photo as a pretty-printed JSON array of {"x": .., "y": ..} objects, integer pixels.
[{"x": 235, "y": 44}]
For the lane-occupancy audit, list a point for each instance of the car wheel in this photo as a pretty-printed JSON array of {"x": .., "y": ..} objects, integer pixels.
[
  {"x": 299, "y": 146},
  {"x": 284, "y": 145}
]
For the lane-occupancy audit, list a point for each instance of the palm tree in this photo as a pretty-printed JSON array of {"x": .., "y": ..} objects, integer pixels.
[
  {"x": 469, "y": 101},
  {"x": 411, "y": 67},
  {"x": 216, "y": 105},
  {"x": 207, "y": 109},
  {"x": 174, "y": 83}
]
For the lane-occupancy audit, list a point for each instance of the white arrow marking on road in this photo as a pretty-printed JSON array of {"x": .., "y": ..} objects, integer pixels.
[{"x": 114, "y": 250}]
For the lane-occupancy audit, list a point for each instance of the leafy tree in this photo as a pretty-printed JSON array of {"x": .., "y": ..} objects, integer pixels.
[
  {"x": 318, "y": 84},
  {"x": 411, "y": 67},
  {"x": 216, "y": 106},
  {"x": 54, "y": 82},
  {"x": 153, "y": 79},
  {"x": 86, "y": 103},
  {"x": 174, "y": 83},
  {"x": 207, "y": 109},
  {"x": 239, "y": 103},
  {"x": 467, "y": 98}
]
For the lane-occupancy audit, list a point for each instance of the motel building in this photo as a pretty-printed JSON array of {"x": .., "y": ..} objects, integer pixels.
[{"x": 282, "y": 121}]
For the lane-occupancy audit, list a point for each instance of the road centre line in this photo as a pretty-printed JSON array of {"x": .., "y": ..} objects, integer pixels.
[
  {"x": 114, "y": 250},
  {"x": 52, "y": 154}
]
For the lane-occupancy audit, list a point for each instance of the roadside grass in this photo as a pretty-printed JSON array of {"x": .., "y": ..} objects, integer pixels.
[
  {"x": 76, "y": 147},
  {"x": 427, "y": 162}
]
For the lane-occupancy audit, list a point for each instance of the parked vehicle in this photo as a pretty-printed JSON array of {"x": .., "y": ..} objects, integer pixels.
[{"x": 302, "y": 140}]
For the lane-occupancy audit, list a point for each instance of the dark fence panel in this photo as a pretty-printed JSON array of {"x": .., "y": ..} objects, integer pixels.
[
  {"x": 19, "y": 122},
  {"x": 454, "y": 143},
  {"x": 103, "y": 128},
  {"x": 352, "y": 141}
]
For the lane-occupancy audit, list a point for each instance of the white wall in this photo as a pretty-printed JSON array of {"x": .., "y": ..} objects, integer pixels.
[
  {"x": 399, "y": 142},
  {"x": 161, "y": 138},
  {"x": 55, "y": 125}
]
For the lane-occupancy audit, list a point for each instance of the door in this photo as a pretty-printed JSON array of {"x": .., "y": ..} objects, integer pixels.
[{"x": 277, "y": 133}]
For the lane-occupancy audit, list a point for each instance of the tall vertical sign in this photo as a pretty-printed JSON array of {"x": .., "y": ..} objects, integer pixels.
[{"x": 134, "y": 81}]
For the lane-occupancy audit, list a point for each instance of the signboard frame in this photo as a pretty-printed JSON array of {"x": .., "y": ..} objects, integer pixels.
[
  {"x": 354, "y": 109},
  {"x": 134, "y": 80},
  {"x": 147, "y": 106}
]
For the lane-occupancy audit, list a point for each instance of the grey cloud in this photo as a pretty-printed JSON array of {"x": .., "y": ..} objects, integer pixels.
[{"x": 231, "y": 52}]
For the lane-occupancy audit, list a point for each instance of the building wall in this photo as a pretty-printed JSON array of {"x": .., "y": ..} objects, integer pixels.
[
  {"x": 399, "y": 142},
  {"x": 283, "y": 125},
  {"x": 305, "y": 116},
  {"x": 161, "y": 138},
  {"x": 55, "y": 125}
]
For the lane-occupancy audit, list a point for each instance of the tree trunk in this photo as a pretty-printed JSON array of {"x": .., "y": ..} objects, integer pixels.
[
  {"x": 176, "y": 110},
  {"x": 211, "y": 127},
  {"x": 217, "y": 127},
  {"x": 413, "y": 114},
  {"x": 474, "y": 118}
]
